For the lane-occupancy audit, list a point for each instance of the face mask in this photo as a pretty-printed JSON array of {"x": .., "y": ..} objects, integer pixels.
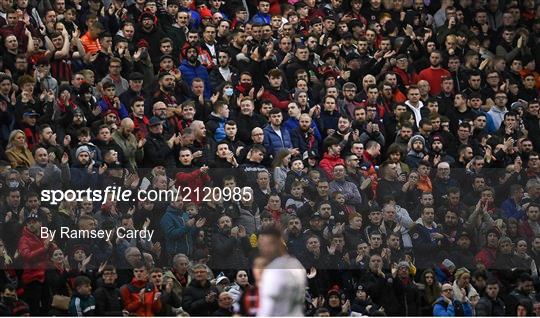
[
  {"x": 13, "y": 184},
  {"x": 246, "y": 86},
  {"x": 229, "y": 91}
]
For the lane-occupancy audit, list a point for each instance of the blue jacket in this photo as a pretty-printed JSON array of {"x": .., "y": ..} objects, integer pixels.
[
  {"x": 509, "y": 210},
  {"x": 122, "y": 112},
  {"x": 179, "y": 236},
  {"x": 261, "y": 18},
  {"x": 190, "y": 72},
  {"x": 442, "y": 309},
  {"x": 273, "y": 143},
  {"x": 293, "y": 123},
  {"x": 81, "y": 179}
]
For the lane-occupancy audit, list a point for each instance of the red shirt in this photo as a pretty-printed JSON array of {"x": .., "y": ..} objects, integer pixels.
[{"x": 434, "y": 76}]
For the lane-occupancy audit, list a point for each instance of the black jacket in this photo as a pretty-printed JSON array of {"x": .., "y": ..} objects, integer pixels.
[
  {"x": 157, "y": 152},
  {"x": 194, "y": 299},
  {"x": 108, "y": 301},
  {"x": 490, "y": 307}
]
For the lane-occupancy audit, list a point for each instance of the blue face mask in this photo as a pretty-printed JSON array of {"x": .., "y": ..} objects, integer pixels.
[{"x": 229, "y": 91}]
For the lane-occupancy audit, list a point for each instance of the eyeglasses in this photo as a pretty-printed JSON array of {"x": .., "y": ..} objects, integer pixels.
[{"x": 447, "y": 290}]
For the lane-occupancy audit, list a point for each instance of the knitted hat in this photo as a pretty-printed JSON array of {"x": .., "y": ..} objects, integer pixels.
[
  {"x": 82, "y": 149},
  {"x": 417, "y": 138},
  {"x": 448, "y": 263}
]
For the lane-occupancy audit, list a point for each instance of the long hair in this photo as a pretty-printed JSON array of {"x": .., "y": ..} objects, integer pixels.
[
  {"x": 13, "y": 135},
  {"x": 278, "y": 160}
]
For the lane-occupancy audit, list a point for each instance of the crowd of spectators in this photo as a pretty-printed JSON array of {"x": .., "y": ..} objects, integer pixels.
[{"x": 394, "y": 143}]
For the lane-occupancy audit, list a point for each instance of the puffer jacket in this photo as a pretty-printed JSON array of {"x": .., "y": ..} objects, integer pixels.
[
  {"x": 190, "y": 72},
  {"x": 273, "y": 143},
  {"x": 130, "y": 296},
  {"x": 34, "y": 257},
  {"x": 108, "y": 301}
]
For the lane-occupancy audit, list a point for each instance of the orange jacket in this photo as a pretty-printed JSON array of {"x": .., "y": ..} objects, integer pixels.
[{"x": 132, "y": 302}]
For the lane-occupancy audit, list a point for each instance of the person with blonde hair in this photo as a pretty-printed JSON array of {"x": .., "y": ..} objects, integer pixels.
[{"x": 17, "y": 150}]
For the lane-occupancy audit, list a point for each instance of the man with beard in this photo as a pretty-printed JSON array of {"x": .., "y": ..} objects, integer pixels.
[
  {"x": 132, "y": 148},
  {"x": 452, "y": 226},
  {"x": 293, "y": 122},
  {"x": 435, "y": 73},
  {"x": 475, "y": 83},
  {"x": 167, "y": 93},
  {"x": 437, "y": 153},
  {"x": 151, "y": 33},
  {"x": 247, "y": 119},
  {"x": 47, "y": 140},
  {"x": 443, "y": 181},
  {"x": 224, "y": 72},
  {"x": 159, "y": 110},
  {"x": 304, "y": 137},
  {"x": 230, "y": 245},
  {"x": 348, "y": 104},
  {"x": 191, "y": 68},
  {"x": 85, "y": 173},
  {"x": 416, "y": 148},
  {"x": 294, "y": 237},
  {"x": 462, "y": 254}
]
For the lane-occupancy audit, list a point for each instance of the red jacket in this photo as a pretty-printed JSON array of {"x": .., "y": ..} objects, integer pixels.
[
  {"x": 132, "y": 302},
  {"x": 486, "y": 256},
  {"x": 328, "y": 163},
  {"x": 525, "y": 230},
  {"x": 194, "y": 179},
  {"x": 281, "y": 102},
  {"x": 34, "y": 256}
]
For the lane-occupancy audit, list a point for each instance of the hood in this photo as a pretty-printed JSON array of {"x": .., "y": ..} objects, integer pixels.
[{"x": 419, "y": 222}]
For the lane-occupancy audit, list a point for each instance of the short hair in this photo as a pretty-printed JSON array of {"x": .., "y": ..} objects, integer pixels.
[{"x": 81, "y": 281}]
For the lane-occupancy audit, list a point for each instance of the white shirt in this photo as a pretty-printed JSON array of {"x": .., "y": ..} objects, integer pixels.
[
  {"x": 225, "y": 72},
  {"x": 283, "y": 288},
  {"x": 416, "y": 111}
]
